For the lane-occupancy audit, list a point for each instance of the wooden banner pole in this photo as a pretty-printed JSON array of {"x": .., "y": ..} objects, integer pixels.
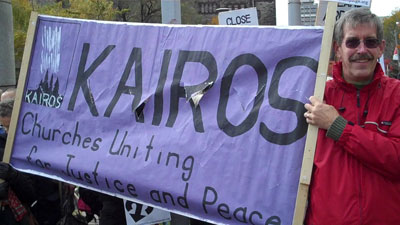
[
  {"x": 21, "y": 86},
  {"x": 312, "y": 133}
]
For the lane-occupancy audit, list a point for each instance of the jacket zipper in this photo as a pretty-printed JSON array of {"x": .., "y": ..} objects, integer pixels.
[
  {"x": 358, "y": 106},
  {"x": 360, "y": 170}
]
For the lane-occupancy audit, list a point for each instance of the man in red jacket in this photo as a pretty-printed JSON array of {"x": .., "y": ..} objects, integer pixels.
[{"x": 356, "y": 176}]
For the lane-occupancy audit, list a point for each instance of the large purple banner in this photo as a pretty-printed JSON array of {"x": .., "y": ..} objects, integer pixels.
[{"x": 204, "y": 121}]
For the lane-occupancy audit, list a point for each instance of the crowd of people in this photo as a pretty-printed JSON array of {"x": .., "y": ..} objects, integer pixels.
[{"x": 356, "y": 175}]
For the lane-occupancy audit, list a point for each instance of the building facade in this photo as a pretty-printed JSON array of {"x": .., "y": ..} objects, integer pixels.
[
  {"x": 265, "y": 9},
  {"x": 308, "y": 12}
]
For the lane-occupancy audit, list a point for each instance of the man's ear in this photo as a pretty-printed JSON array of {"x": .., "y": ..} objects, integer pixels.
[{"x": 336, "y": 49}]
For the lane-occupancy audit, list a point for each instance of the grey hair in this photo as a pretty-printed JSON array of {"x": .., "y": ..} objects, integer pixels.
[
  {"x": 6, "y": 108},
  {"x": 8, "y": 94},
  {"x": 354, "y": 18}
]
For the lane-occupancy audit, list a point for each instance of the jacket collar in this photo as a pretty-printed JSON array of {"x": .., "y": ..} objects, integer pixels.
[{"x": 338, "y": 78}]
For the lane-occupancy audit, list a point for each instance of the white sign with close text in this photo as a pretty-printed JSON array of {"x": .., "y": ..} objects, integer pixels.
[{"x": 239, "y": 17}]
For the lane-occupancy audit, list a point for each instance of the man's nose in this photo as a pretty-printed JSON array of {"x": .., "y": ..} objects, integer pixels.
[{"x": 361, "y": 48}]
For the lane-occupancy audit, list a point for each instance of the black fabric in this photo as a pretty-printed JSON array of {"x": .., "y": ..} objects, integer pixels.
[
  {"x": 92, "y": 199},
  {"x": 113, "y": 212},
  {"x": 4, "y": 190},
  {"x": 23, "y": 186},
  {"x": 7, "y": 172},
  {"x": 70, "y": 220},
  {"x": 47, "y": 208},
  {"x": 7, "y": 218},
  {"x": 109, "y": 208}
]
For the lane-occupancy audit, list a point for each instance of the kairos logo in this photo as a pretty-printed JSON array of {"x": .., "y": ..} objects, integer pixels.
[{"x": 46, "y": 94}]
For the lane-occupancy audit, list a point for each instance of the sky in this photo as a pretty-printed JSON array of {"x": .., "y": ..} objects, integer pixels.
[{"x": 379, "y": 7}]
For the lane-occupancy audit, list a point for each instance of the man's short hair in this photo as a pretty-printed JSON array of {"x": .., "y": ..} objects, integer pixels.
[
  {"x": 354, "y": 18},
  {"x": 8, "y": 94},
  {"x": 6, "y": 108}
]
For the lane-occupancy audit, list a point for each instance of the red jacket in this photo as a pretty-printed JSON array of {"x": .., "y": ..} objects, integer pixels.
[{"x": 356, "y": 180}]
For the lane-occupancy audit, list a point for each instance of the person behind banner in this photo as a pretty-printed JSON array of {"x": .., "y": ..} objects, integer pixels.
[
  {"x": 356, "y": 175},
  {"x": 38, "y": 196},
  {"x": 9, "y": 94},
  {"x": 17, "y": 193}
]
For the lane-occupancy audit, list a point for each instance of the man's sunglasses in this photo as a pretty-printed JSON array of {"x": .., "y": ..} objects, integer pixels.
[{"x": 369, "y": 42}]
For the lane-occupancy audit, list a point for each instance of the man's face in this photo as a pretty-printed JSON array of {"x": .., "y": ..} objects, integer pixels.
[
  {"x": 359, "y": 61},
  {"x": 5, "y": 122}
]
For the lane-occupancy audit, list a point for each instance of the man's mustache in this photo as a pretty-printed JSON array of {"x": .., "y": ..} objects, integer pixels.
[{"x": 361, "y": 57}]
